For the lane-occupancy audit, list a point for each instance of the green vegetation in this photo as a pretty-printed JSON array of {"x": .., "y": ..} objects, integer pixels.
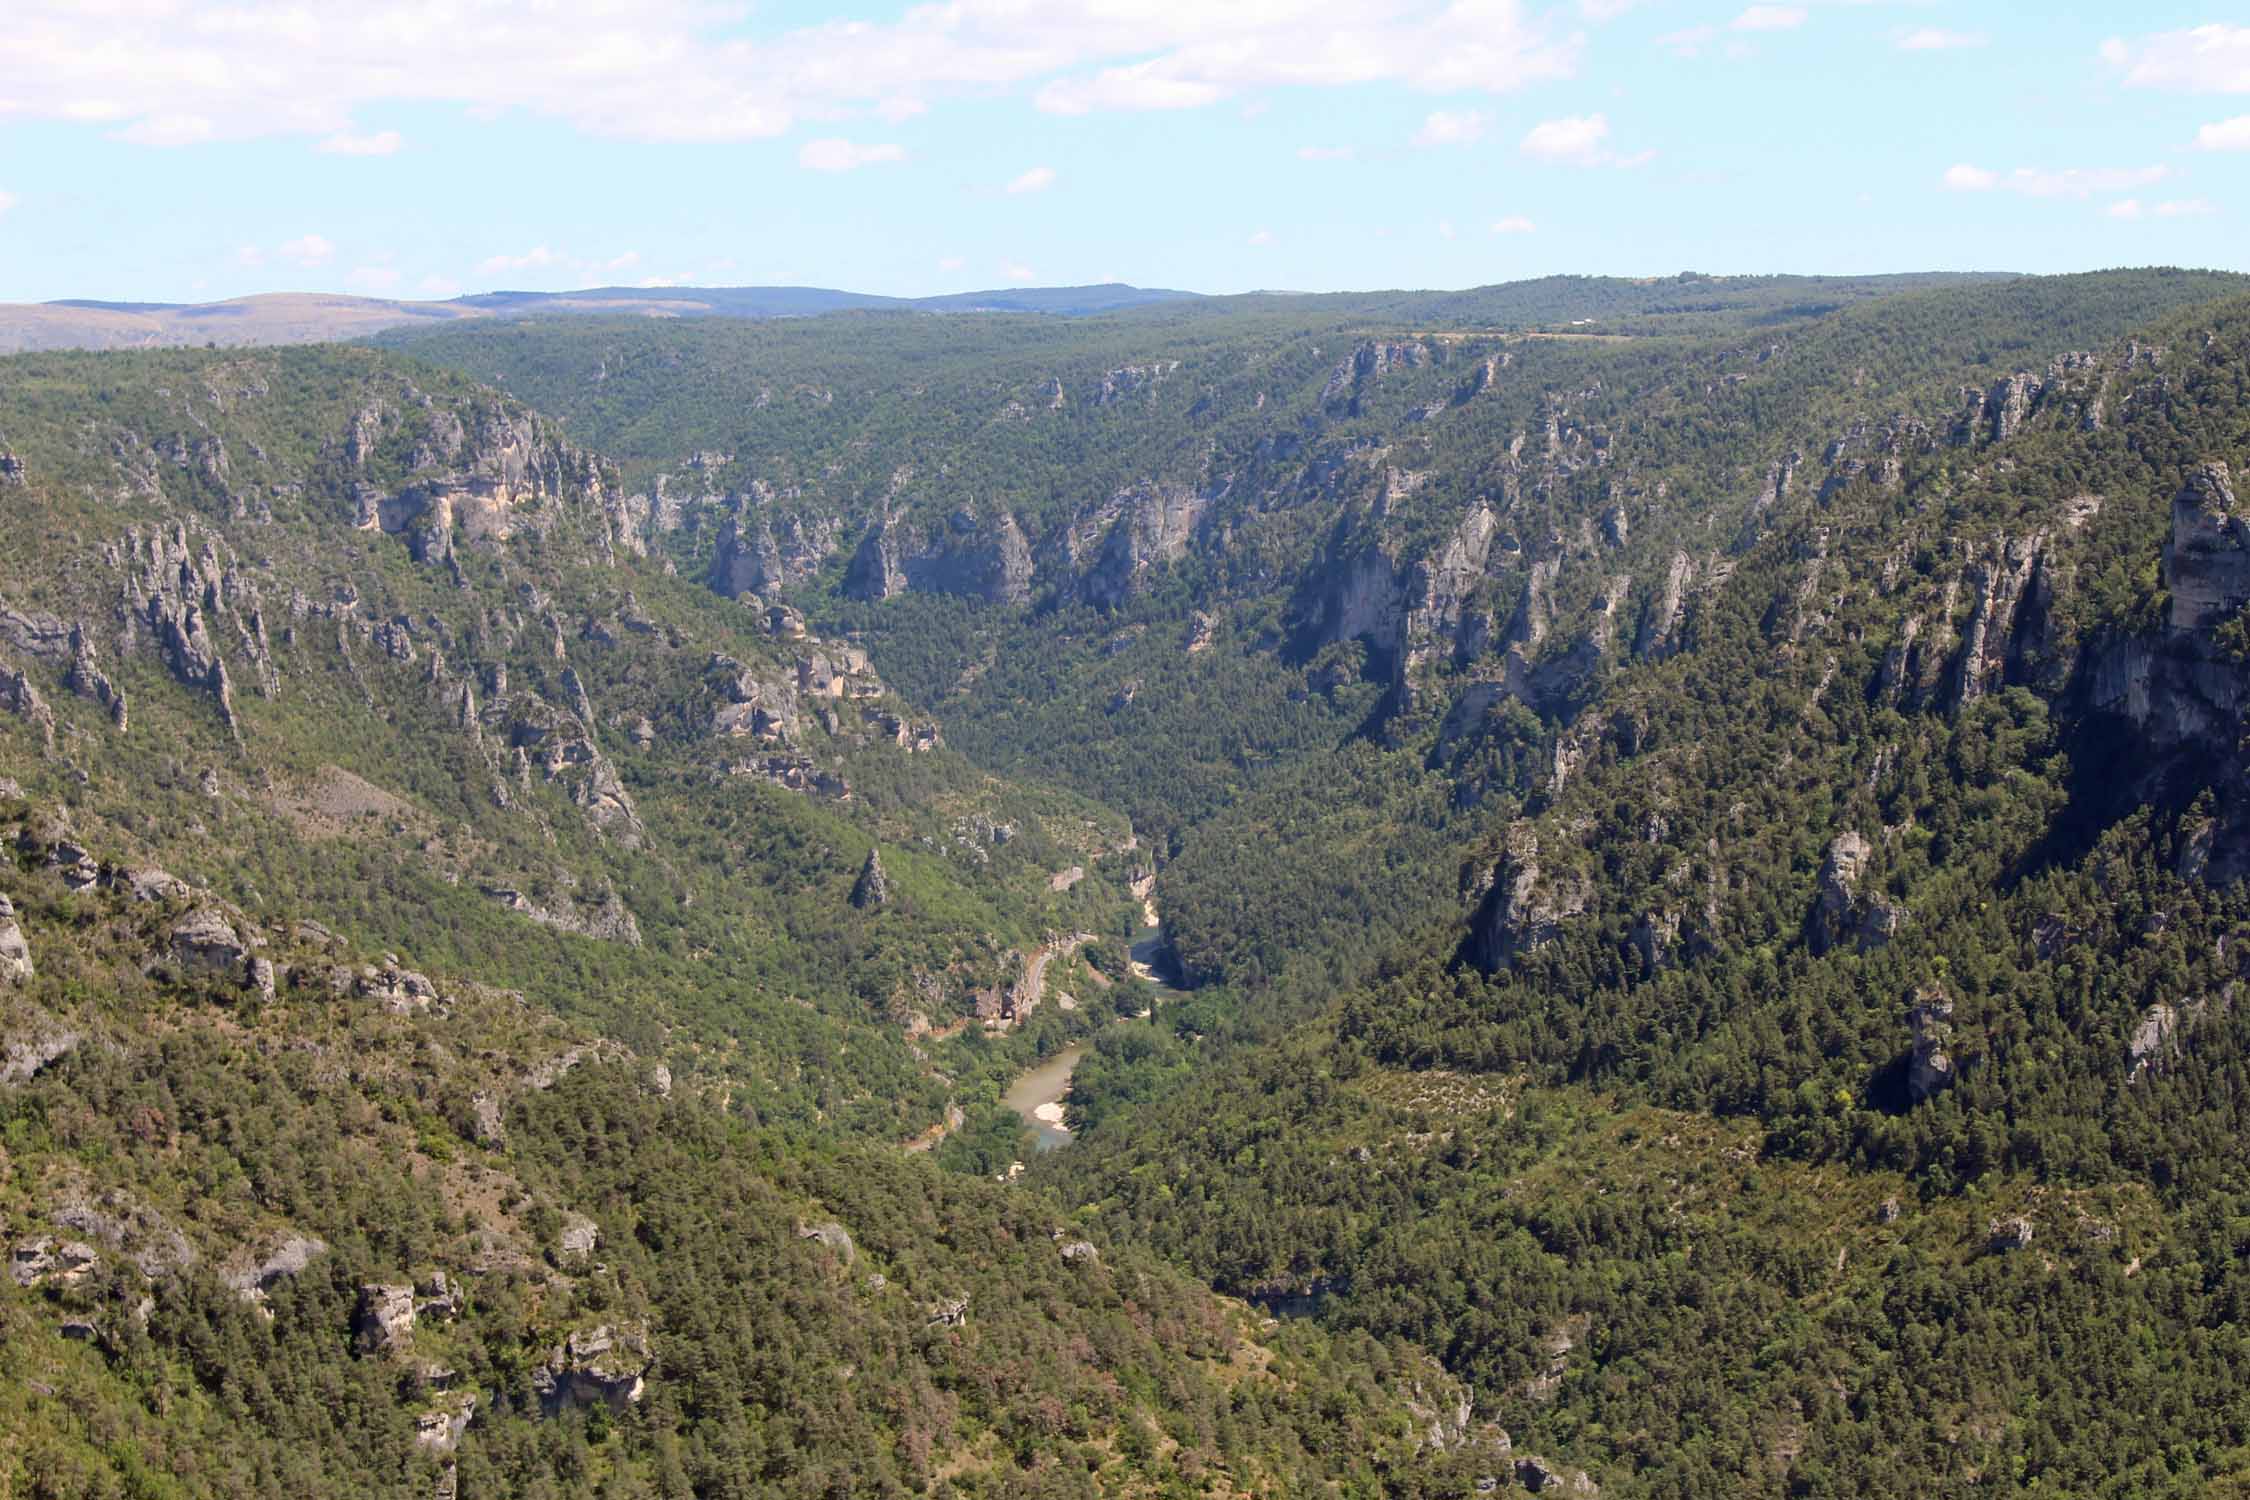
[{"x": 1708, "y": 881}]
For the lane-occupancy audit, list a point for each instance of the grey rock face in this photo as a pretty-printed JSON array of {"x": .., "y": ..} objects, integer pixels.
[
  {"x": 254, "y": 1278},
  {"x": 873, "y": 887},
  {"x": 46, "y": 1259},
  {"x": 579, "y": 1238},
  {"x": 1154, "y": 525},
  {"x": 15, "y": 952},
  {"x": 19, "y": 697},
  {"x": 204, "y": 939},
  {"x": 606, "y": 1365},
  {"x": 2012, "y": 1232},
  {"x": 2207, "y": 564},
  {"x": 1929, "y": 1066},
  {"x": 1840, "y": 912},
  {"x": 1526, "y": 907},
  {"x": 384, "y": 1318},
  {"x": 835, "y": 1236}
]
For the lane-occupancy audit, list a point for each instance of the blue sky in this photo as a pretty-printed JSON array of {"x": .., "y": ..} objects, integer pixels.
[{"x": 181, "y": 150}]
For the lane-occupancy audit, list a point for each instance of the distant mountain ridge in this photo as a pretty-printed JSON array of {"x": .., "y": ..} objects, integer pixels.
[{"x": 318, "y": 317}]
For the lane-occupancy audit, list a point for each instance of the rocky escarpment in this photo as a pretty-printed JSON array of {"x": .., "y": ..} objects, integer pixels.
[
  {"x": 2185, "y": 689},
  {"x": 1526, "y": 906},
  {"x": 983, "y": 558},
  {"x": 474, "y": 471}
]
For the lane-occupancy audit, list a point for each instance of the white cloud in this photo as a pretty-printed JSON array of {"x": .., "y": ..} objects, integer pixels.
[
  {"x": 1688, "y": 42},
  {"x": 170, "y": 130},
  {"x": 1037, "y": 180},
  {"x": 2069, "y": 182},
  {"x": 894, "y": 111},
  {"x": 1015, "y": 272},
  {"x": 1769, "y": 18},
  {"x": 1604, "y": 10},
  {"x": 1141, "y": 86},
  {"x": 382, "y": 143},
  {"x": 2124, "y": 208},
  {"x": 439, "y": 287},
  {"x": 538, "y": 258},
  {"x": 2225, "y": 135},
  {"x": 2207, "y": 60},
  {"x": 1449, "y": 127},
  {"x": 307, "y": 250},
  {"x": 951, "y": 263},
  {"x": 1513, "y": 224},
  {"x": 1261, "y": 239},
  {"x": 170, "y": 73},
  {"x": 1575, "y": 139},
  {"x": 2183, "y": 208},
  {"x": 7, "y": 201},
  {"x": 1324, "y": 153},
  {"x": 625, "y": 262},
  {"x": 835, "y": 154},
  {"x": 250, "y": 257},
  {"x": 1937, "y": 39}
]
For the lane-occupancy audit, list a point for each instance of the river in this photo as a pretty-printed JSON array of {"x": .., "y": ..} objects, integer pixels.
[{"x": 1037, "y": 1094}]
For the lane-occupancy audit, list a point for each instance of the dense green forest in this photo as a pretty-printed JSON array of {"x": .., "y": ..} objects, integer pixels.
[{"x": 1698, "y": 855}]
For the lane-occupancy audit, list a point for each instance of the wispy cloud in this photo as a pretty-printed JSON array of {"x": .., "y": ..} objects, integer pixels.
[
  {"x": 1015, "y": 272},
  {"x": 1452, "y": 127},
  {"x": 2225, "y": 135},
  {"x": 1261, "y": 239},
  {"x": 7, "y": 201},
  {"x": 2206, "y": 60},
  {"x": 1577, "y": 141},
  {"x": 308, "y": 250},
  {"x": 2041, "y": 182},
  {"x": 1037, "y": 180},
  {"x": 538, "y": 258},
  {"x": 1513, "y": 224},
  {"x": 382, "y": 143},
  {"x": 176, "y": 74},
  {"x": 1769, "y": 18},
  {"x": 951, "y": 263},
  {"x": 1937, "y": 39},
  {"x": 1688, "y": 41},
  {"x": 835, "y": 154}
]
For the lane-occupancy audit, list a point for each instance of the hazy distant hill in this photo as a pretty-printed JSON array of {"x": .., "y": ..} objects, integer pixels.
[{"x": 314, "y": 317}]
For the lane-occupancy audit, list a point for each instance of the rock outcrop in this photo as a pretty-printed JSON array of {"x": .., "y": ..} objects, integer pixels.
[
  {"x": 873, "y": 888},
  {"x": 605, "y": 1366},
  {"x": 15, "y": 952},
  {"x": 1929, "y": 1065},
  {"x": 988, "y": 559},
  {"x": 383, "y": 1322},
  {"x": 1841, "y": 913},
  {"x": 1526, "y": 906}
]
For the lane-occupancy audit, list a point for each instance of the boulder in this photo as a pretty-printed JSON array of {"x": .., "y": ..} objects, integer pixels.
[
  {"x": 2010, "y": 1232},
  {"x": 835, "y": 1236}
]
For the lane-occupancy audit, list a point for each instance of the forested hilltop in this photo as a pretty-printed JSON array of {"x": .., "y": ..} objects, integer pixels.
[{"x": 1700, "y": 821}]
